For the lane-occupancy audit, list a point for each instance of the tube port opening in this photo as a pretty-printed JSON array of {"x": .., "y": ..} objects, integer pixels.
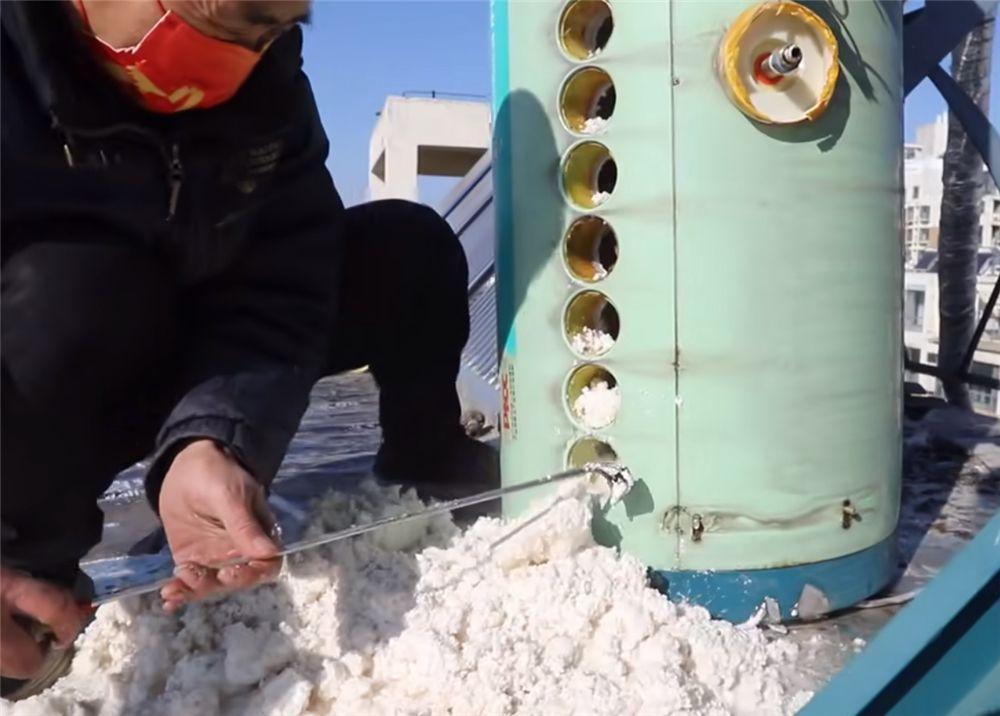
[
  {"x": 589, "y": 450},
  {"x": 591, "y": 249},
  {"x": 591, "y": 323},
  {"x": 593, "y": 396},
  {"x": 587, "y": 100},
  {"x": 585, "y": 27},
  {"x": 589, "y": 175},
  {"x": 779, "y": 67}
]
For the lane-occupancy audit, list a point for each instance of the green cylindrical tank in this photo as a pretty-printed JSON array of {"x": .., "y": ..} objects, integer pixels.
[{"x": 742, "y": 267}]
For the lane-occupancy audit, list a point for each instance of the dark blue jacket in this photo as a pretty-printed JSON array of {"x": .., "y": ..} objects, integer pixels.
[{"x": 236, "y": 199}]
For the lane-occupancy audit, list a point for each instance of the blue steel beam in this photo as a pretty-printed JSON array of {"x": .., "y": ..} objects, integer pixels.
[
  {"x": 933, "y": 31},
  {"x": 940, "y": 655}
]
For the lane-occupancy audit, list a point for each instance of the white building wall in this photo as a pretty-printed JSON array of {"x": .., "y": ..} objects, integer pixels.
[
  {"x": 922, "y": 173},
  {"x": 933, "y": 137},
  {"x": 921, "y": 331},
  {"x": 923, "y": 169},
  {"x": 424, "y": 136}
]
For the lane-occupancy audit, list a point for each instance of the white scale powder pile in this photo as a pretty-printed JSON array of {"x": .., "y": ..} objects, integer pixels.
[
  {"x": 595, "y": 125},
  {"x": 597, "y": 406},
  {"x": 507, "y": 618},
  {"x": 591, "y": 341},
  {"x": 599, "y": 197}
]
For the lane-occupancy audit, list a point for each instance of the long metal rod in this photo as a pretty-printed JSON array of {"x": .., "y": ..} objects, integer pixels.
[
  {"x": 610, "y": 471},
  {"x": 448, "y": 506},
  {"x": 484, "y": 276},
  {"x": 981, "y": 327}
]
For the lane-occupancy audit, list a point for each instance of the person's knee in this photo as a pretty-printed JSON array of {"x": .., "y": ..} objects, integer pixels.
[
  {"x": 421, "y": 237},
  {"x": 442, "y": 244}
]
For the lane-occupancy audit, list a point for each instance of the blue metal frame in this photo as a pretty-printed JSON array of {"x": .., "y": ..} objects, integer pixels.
[
  {"x": 736, "y": 595},
  {"x": 468, "y": 190},
  {"x": 502, "y": 180},
  {"x": 940, "y": 655}
]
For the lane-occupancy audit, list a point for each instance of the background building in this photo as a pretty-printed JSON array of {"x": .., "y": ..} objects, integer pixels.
[
  {"x": 920, "y": 326},
  {"x": 922, "y": 182},
  {"x": 924, "y": 163},
  {"x": 425, "y": 136}
]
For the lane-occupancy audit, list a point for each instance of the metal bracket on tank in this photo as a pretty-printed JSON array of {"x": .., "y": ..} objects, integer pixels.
[
  {"x": 679, "y": 520},
  {"x": 672, "y": 519},
  {"x": 849, "y": 515},
  {"x": 697, "y": 528}
]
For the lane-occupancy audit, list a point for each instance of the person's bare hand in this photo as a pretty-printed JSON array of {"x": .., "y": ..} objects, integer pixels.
[
  {"x": 20, "y": 595},
  {"x": 213, "y": 511}
]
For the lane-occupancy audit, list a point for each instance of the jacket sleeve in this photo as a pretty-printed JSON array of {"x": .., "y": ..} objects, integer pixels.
[{"x": 261, "y": 329}]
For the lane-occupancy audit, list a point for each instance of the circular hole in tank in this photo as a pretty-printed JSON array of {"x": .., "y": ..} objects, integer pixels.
[
  {"x": 589, "y": 450},
  {"x": 591, "y": 324},
  {"x": 587, "y": 100},
  {"x": 590, "y": 249},
  {"x": 585, "y": 27},
  {"x": 593, "y": 396},
  {"x": 589, "y": 175}
]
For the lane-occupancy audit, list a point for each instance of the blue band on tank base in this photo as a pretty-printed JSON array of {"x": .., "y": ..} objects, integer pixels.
[{"x": 736, "y": 595}]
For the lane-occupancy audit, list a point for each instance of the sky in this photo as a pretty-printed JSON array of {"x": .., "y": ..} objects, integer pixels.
[{"x": 359, "y": 51}]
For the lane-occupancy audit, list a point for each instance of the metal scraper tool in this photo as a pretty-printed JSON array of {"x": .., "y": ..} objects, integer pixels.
[{"x": 618, "y": 477}]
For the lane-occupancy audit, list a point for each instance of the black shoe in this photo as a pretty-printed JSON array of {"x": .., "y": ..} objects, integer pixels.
[
  {"x": 460, "y": 468},
  {"x": 9, "y": 686}
]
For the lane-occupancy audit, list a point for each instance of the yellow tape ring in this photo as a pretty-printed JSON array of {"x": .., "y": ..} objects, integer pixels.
[{"x": 802, "y": 94}]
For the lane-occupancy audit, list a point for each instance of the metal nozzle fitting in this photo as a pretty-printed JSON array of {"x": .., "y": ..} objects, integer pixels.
[{"x": 784, "y": 60}]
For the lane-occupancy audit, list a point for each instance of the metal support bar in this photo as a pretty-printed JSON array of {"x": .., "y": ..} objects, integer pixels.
[
  {"x": 981, "y": 327},
  {"x": 939, "y": 655},
  {"x": 932, "y": 32},
  {"x": 981, "y": 133},
  {"x": 983, "y": 381},
  {"x": 485, "y": 275}
]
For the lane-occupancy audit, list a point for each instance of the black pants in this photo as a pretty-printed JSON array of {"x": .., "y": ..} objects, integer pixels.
[{"x": 85, "y": 326}]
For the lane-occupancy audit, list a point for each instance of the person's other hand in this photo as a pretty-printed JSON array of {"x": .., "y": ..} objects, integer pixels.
[
  {"x": 212, "y": 511},
  {"x": 20, "y": 595}
]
